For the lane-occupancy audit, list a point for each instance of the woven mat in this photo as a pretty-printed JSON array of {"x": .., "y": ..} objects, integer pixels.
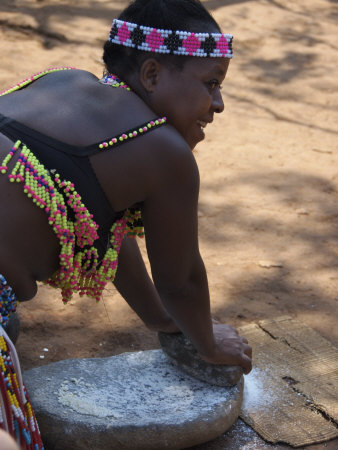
[{"x": 291, "y": 395}]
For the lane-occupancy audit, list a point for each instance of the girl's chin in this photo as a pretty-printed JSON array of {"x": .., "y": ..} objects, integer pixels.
[
  {"x": 198, "y": 136},
  {"x": 201, "y": 133}
]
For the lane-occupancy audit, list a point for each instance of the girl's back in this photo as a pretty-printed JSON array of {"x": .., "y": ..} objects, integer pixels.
[{"x": 74, "y": 109}]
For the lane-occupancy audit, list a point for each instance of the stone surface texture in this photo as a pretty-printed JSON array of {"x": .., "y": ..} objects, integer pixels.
[
  {"x": 182, "y": 353},
  {"x": 130, "y": 401}
]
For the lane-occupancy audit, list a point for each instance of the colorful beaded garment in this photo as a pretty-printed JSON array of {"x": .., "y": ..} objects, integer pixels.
[
  {"x": 8, "y": 301},
  {"x": 149, "y": 39},
  {"x": 71, "y": 221},
  {"x": 16, "y": 413}
]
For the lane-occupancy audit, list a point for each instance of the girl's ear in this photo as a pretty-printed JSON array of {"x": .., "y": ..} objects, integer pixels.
[{"x": 149, "y": 74}]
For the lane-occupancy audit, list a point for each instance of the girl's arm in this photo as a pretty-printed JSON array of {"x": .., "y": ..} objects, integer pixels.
[
  {"x": 169, "y": 215},
  {"x": 134, "y": 284}
]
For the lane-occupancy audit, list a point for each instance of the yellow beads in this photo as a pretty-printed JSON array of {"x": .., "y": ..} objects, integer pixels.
[{"x": 29, "y": 80}]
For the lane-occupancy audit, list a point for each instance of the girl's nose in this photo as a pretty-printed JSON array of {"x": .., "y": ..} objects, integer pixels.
[{"x": 218, "y": 103}]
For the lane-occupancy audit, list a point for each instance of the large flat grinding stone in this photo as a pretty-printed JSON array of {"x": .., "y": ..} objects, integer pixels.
[{"x": 130, "y": 401}]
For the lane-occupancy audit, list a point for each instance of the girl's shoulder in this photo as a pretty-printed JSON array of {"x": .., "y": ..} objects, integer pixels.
[{"x": 53, "y": 77}]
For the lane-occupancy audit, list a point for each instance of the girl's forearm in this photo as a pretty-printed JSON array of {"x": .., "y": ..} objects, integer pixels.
[
  {"x": 136, "y": 287},
  {"x": 189, "y": 306}
]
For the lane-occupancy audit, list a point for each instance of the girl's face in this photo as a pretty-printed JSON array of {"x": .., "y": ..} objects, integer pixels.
[{"x": 190, "y": 97}]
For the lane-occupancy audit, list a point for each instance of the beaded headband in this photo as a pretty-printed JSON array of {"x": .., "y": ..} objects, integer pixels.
[{"x": 171, "y": 42}]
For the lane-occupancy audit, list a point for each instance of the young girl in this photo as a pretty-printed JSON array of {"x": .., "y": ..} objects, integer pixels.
[{"x": 85, "y": 164}]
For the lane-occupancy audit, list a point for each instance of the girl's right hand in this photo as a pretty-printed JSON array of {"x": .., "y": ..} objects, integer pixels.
[{"x": 230, "y": 348}]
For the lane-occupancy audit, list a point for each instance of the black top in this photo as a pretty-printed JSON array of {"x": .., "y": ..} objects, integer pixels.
[{"x": 73, "y": 164}]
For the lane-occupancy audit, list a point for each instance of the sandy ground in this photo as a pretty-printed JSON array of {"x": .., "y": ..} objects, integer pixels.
[{"x": 269, "y": 171}]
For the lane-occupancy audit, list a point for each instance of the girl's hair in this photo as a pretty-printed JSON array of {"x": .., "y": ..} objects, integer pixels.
[{"x": 181, "y": 15}]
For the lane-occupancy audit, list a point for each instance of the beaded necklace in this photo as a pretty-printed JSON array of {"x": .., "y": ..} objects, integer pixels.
[
  {"x": 114, "y": 81},
  {"x": 68, "y": 216}
]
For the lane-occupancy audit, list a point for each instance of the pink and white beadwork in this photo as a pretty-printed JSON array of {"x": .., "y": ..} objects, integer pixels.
[
  {"x": 74, "y": 226},
  {"x": 128, "y": 34}
]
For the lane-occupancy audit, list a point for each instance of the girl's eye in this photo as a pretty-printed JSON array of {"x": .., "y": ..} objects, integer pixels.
[{"x": 214, "y": 84}]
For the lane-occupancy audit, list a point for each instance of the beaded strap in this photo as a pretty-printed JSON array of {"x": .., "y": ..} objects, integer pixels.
[
  {"x": 113, "y": 81},
  {"x": 33, "y": 78},
  {"x": 172, "y": 42},
  {"x": 148, "y": 126}
]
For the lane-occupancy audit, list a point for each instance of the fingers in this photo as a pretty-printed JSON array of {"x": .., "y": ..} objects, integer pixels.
[
  {"x": 247, "y": 350},
  {"x": 234, "y": 348},
  {"x": 247, "y": 364},
  {"x": 246, "y": 358}
]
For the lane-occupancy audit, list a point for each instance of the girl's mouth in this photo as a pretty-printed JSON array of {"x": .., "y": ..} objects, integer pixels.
[{"x": 202, "y": 124}]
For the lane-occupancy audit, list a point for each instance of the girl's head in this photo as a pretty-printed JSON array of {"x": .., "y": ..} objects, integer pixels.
[
  {"x": 185, "y": 89},
  {"x": 181, "y": 15}
]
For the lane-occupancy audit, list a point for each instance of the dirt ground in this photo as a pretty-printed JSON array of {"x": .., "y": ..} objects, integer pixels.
[{"x": 269, "y": 174}]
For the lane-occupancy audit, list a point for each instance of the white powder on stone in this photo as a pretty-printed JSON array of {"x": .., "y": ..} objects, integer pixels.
[
  {"x": 84, "y": 400},
  {"x": 135, "y": 387},
  {"x": 90, "y": 400}
]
